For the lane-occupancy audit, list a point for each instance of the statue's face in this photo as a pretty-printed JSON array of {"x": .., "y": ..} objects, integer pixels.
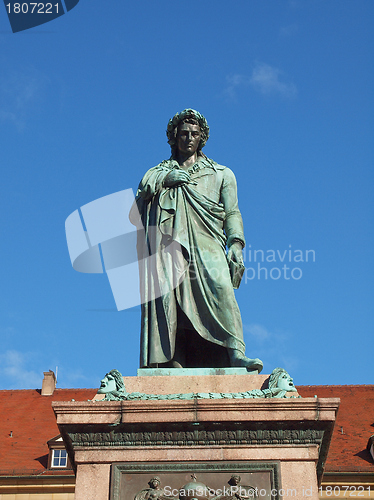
[
  {"x": 154, "y": 483},
  {"x": 108, "y": 384},
  {"x": 235, "y": 480},
  {"x": 285, "y": 382},
  {"x": 188, "y": 138}
]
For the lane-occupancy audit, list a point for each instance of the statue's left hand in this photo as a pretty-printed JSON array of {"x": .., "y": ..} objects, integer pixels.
[{"x": 235, "y": 252}]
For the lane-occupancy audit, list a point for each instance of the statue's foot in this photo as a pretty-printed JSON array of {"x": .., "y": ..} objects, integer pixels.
[
  {"x": 175, "y": 364},
  {"x": 238, "y": 359},
  {"x": 170, "y": 364}
]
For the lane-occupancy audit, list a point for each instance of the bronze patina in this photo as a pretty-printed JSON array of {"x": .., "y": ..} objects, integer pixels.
[{"x": 191, "y": 201}]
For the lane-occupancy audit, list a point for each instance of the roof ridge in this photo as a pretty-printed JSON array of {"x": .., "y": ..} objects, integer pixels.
[
  {"x": 37, "y": 389},
  {"x": 336, "y": 385}
]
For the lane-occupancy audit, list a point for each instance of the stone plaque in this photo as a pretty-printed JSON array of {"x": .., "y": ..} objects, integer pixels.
[{"x": 187, "y": 481}]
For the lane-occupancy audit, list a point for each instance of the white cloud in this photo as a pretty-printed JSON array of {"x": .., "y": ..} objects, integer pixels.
[
  {"x": 24, "y": 370},
  {"x": 257, "y": 331},
  {"x": 274, "y": 347},
  {"x": 291, "y": 363},
  {"x": 288, "y": 30},
  {"x": 7, "y": 330},
  {"x": 66, "y": 377},
  {"x": 265, "y": 79},
  {"x": 15, "y": 368},
  {"x": 19, "y": 92},
  {"x": 8, "y": 115},
  {"x": 233, "y": 82}
]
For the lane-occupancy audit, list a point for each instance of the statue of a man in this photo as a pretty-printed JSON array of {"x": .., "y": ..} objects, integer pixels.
[{"x": 189, "y": 201}]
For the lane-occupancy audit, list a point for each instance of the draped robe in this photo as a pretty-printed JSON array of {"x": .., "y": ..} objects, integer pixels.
[{"x": 182, "y": 236}]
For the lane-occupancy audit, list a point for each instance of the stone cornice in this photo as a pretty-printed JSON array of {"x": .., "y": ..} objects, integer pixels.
[{"x": 202, "y": 410}]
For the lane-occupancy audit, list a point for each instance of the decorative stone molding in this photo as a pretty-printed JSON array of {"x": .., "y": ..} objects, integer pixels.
[{"x": 118, "y": 437}]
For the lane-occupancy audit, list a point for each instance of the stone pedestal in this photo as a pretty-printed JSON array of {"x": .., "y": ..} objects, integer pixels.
[{"x": 276, "y": 445}]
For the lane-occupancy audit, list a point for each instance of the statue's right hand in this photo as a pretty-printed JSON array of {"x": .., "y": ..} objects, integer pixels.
[{"x": 176, "y": 177}]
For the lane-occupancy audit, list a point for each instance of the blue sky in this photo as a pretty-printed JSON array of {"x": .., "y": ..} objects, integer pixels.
[{"x": 287, "y": 89}]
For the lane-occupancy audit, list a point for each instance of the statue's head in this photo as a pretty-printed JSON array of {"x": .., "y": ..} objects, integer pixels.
[
  {"x": 281, "y": 379},
  {"x": 112, "y": 382},
  {"x": 187, "y": 116},
  {"x": 235, "y": 480},
  {"x": 154, "y": 482}
]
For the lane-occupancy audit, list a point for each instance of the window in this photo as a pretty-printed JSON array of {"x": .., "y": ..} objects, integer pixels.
[{"x": 59, "y": 458}]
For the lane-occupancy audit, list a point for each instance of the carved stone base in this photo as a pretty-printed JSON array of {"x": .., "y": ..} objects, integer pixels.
[{"x": 274, "y": 445}]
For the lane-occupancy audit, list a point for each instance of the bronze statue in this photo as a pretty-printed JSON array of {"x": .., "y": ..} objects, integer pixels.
[{"x": 190, "y": 317}]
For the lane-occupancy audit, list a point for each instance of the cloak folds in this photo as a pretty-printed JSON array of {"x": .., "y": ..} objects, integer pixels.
[{"x": 182, "y": 236}]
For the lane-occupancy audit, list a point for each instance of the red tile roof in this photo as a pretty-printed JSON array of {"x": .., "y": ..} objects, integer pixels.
[
  {"x": 27, "y": 422},
  {"x": 353, "y": 427}
]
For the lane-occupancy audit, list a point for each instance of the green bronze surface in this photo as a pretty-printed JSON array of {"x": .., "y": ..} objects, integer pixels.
[{"x": 191, "y": 202}]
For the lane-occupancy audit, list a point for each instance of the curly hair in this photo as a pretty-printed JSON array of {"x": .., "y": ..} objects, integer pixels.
[
  {"x": 187, "y": 116},
  {"x": 274, "y": 377},
  {"x": 118, "y": 379}
]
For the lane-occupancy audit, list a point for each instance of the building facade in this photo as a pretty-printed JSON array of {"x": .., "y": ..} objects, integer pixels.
[{"x": 34, "y": 464}]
